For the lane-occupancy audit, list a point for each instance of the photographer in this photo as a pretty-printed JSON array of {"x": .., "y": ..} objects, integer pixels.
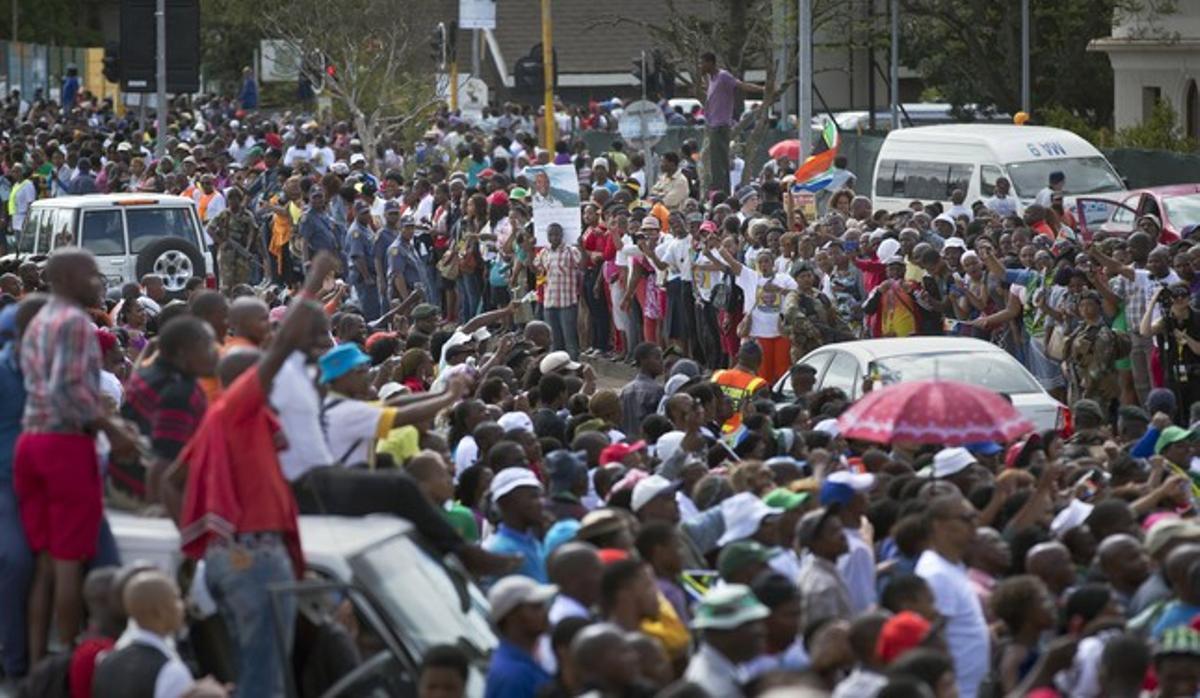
[{"x": 1176, "y": 324}]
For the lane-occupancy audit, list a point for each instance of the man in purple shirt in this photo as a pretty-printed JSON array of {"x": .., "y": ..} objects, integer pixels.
[{"x": 718, "y": 116}]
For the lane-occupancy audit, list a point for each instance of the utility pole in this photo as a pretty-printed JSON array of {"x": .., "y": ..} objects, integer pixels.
[
  {"x": 16, "y": 14},
  {"x": 452, "y": 50},
  {"x": 475, "y": 36},
  {"x": 894, "y": 66},
  {"x": 1025, "y": 101},
  {"x": 160, "y": 78},
  {"x": 548, "y": 74},
  {"x": 804, "y": 78}
]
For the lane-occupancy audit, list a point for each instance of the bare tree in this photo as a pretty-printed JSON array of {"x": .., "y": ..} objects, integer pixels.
[{"x": 378, "y": 73}]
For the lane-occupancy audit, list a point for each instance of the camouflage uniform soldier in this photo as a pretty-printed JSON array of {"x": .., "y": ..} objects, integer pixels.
[
  {"x": 1091, "y": 352},
  {"x": 810, "y": 319},
  {"x": 235, "y": 235}
]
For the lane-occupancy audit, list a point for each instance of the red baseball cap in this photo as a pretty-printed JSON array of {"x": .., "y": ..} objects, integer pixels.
[
  {"x": 899, "y": 634},
  {"x": 486, "y": 173},
  {"x": 497, "y": 198},
  {"x": 617, "y": 452}
]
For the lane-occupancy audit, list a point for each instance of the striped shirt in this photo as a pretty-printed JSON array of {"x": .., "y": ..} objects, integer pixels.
[
  {"x": 60, "y": 358},
  {"x": 562, "y": 268}
]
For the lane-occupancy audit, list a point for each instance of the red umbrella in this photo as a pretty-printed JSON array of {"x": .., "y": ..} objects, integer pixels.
[
  {"x": 789, "y": 149},
  {"x": 933, "y": 412}
]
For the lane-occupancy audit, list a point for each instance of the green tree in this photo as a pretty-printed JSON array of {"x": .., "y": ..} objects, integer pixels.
[
  {"x": 229, "y": 35},
  {"x": 382, "y": 80},
  {"x": 970, "y": 51}
]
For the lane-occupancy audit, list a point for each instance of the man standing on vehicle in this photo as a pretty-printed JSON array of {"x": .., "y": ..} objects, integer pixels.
[
  {"x": 56, "y": 476},
  {"x": 1058, "y": 181},
  {"x": 718, "y": 114},
  {"x": 239, "y": 245}
]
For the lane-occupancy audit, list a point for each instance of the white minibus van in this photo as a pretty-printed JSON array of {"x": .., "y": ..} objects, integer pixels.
[{"x": 927, "y": 163}]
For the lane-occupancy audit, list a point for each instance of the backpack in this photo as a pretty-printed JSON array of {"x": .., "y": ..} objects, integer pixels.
[{"x": 727, "y": 295}]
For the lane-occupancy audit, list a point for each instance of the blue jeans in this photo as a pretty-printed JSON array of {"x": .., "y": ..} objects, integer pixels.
[
  {"x": 564, "y": 326},
  {"x": 470, "y": 296},
  {"x": 368, "y": 299},
  {"x": 245, "y": 606},
  {"x": 16, "y": 574}
]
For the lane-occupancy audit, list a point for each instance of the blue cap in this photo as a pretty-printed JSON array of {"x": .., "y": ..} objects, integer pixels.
[
  {"x": 341, "y": 360},
  {"x": 836, "y": 493},
  {"x": 985, "y": 448}
]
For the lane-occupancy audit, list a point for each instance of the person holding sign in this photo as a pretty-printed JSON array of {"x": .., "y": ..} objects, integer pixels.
[{"x": 562, "y": 266}]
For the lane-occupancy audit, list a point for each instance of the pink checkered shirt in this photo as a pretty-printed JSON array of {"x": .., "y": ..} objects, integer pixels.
[{"x": 563, "y": 268}]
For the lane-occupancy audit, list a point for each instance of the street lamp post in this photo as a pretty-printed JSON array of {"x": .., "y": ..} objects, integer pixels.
[
  {"x": 1025, "y": 99},
  {"x": 804, "y": 78}
]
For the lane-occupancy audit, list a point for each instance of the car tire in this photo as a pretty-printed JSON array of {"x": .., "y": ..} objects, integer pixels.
[{"x": 175, "y": 260}]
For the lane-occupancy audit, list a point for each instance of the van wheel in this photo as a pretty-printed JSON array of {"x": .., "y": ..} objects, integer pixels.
[{"x": 174, "y": 260}]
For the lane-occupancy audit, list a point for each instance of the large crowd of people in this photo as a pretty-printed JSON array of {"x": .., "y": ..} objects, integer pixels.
[{"x": 385, "y": 336}]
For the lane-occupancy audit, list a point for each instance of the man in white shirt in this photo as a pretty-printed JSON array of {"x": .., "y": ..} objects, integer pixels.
[
  {"x": 149, "y": 659},
  {"x": 952, "y": 522},
  {"x": 1000, "y": 203},
  {"x": 857, "y": 566},
  {"x": 731, "y": 621},
  {"x": 1057, "y": 181}
]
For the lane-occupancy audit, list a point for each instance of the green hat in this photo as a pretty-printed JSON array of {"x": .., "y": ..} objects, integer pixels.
[
  {"x": 1180, "y": 640},
  {"x": 736, "y": 557},
  {"x": 1172, "y": 435},
  {"x": 594, "y": 424},
  {"x": 425, "y": 311},
  {"x": 787, "y": 500},
  {"x": 519, "y": 193},
  {"x": 728, "y": 607}
]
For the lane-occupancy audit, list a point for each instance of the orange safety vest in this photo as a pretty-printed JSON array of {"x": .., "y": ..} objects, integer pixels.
[
  {"x": 738, "y": 385},
  {"x": 205, "y": 200}
]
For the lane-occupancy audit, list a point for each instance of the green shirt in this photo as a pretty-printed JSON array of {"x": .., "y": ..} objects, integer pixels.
[{"x": 463, "y": 521}]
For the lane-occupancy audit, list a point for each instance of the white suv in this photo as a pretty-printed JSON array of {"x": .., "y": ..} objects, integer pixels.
[{"x": 131, "y": 235}]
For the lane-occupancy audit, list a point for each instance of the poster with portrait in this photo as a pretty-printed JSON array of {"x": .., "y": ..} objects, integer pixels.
[{"x": 555, "y": 200}]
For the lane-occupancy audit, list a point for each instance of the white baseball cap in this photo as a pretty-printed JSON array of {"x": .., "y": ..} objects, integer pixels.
[
  {"x": 743, "y": 514},
  {"x": 955, "y": 242},
  {"x": 948, "y": 461},
  {"x": 556, "y": 360},
  {"x": 511, "y": 479},
  {"x": 515, "y": 590},
  {"x": 648, "y": 489},
  {"x": 516, "y": 420}
]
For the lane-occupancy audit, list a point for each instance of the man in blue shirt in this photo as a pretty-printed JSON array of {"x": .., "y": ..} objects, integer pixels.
[
  {"x": 379, "y": 251},
  {"x": 517, "y": 493},
  {"x": 405, "y": 268},
  {"x": 318, "y": 228},
  {"x": 519, "y": 612},
  {"x": 360, "y": 247}
]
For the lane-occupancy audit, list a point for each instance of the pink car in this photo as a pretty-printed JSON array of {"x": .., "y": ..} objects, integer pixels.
[{"x": 1176, "y": 208}]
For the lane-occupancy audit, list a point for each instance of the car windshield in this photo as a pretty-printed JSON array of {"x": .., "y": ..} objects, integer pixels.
[
  {"x": 992, "y": 370},
  {"x": 420, "y": 597},
  {"x": 1084, "y": 176},
  {"x": 1183, "y": 210}
]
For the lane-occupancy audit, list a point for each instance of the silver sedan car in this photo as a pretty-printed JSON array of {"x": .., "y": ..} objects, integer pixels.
[{"x": 846, "y": 365}]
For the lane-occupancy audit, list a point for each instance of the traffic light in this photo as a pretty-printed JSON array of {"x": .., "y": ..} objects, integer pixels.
[
  {"x": 529, "y": 72},
  {"x": 437, "y": 44},
  {"x": 112, "y": 61}
]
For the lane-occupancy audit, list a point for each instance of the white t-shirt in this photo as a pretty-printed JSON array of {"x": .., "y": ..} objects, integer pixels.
[
  {"x": 762, "y": 302},
  {"x": 465, "y": 454},
  {"x": 677, "y": 253},
  {"x": 295, "y": 399},
  {"x": 351, "y": 427},
  {"x": 966, "y": 630}
]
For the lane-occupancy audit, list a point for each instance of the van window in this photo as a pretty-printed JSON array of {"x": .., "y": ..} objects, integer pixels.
[
  {"x": 988, "y": 174},
  {"x": 103, "y": 233},
  {"x": 1084, "y": 176},
  {"x": 921, "y": 179},
  {"x": 58, "y": 230},
  {"x": 29, "y": 234},
  {"x": 149, "y": 224}
]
